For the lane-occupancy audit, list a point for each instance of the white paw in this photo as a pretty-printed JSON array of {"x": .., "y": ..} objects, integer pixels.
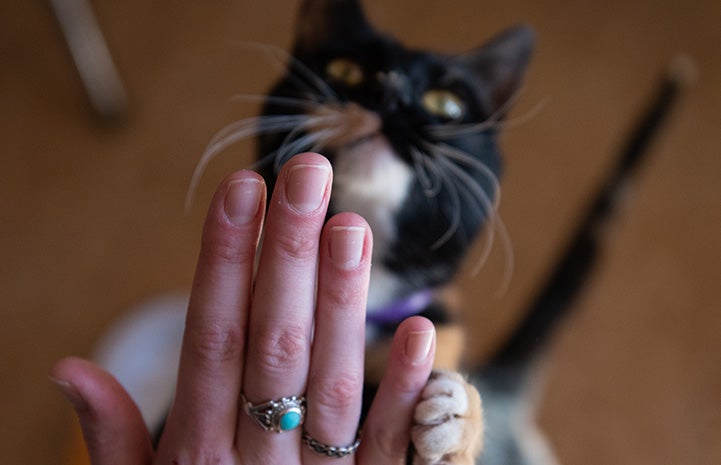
[{"x": 448, "y": 424}]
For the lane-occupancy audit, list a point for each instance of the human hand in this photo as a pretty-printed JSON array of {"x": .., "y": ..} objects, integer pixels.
[{"x": 293, "y": 327}]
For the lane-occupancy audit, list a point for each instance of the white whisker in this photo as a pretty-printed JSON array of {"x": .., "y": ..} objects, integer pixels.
[
  {"x": 450, "y": 131},
  {"x": 278, "y": 158},
  {"x": 496, "y": 225},
  {"x": 290, "y": 102},
  {"x": 509, "y": 261},
  {"x": 527, "y": 116},
  {"x": 424, "y": 167},
  {"x": 234, "y": 133},
  {"x": 309, "y": 123},
  {"x": 299, "y": 145},
  {"x": 259, "y": 124},
  {"x": 295, "y": 70},
  {"x": 494, "y": 122},
  {"x": 455, "y": 214},
  {"x": 465, "y": 159},
  {"x": 485, "y": 205}
]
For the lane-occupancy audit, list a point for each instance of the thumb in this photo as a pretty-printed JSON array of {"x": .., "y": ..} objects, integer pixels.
[{"x": 112, "y": 426}]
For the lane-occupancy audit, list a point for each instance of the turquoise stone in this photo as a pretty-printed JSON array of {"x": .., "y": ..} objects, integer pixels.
[{"x": 289, "y": 420}]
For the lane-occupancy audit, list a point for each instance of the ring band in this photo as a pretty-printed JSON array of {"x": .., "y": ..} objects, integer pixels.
[
  {"x": 277, "y": 415},
  {"x": 331, "y": 451}
]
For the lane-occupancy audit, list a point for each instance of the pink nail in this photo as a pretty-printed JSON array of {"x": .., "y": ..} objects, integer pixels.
[
  {"x": 306, "y": 186},
  {"x": 70, "y": 393},
  {"x": 242, "y": 200},
  {"x": 346, "y": 246},
  {"x": 418, "y": 346}
]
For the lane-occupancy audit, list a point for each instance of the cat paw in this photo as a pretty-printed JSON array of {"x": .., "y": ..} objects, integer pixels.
[{"x": 448, "y": 421}]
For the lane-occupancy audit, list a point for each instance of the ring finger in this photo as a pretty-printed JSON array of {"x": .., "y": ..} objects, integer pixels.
[{"x": 335, "y": 381}]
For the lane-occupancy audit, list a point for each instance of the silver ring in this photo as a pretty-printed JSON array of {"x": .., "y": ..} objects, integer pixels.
[
  {"x": 331, "y": 451},
  {"x": 277, "y": 415}
]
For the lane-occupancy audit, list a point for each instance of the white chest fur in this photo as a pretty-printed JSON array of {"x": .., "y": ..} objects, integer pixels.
[{"x": 371, "y": 180}]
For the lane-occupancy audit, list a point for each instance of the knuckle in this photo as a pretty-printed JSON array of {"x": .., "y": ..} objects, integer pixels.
[
  {"x": 98, "y": 441},
  {"x": 339, "y": 393},
  {"x": 390, "y": 443},
  {"x": 298, "y": 245},
  {"x": 345, "y": 296},
  {"x": 194, "y": 457},
  {"x": 216, "y": 341},
  {"x": 280, "y": 348},
  {"x": 226, "y": 248},
  {"x": 405, "y": 385}
]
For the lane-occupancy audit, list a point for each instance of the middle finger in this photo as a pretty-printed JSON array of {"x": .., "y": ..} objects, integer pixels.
[{"x": 281, "y": 319}]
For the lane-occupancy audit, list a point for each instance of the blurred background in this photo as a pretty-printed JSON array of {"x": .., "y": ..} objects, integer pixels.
[{"x": 93, "y": 221}]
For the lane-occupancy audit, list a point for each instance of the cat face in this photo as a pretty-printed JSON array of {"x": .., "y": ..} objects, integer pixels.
[{"x": 411, "y": 135}]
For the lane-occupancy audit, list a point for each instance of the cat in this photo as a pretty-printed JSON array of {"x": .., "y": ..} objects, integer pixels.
[{"x": 411, "y": 136}]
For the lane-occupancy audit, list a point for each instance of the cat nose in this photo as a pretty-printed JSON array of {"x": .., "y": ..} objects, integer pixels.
[{"x": 395, "y": 89}]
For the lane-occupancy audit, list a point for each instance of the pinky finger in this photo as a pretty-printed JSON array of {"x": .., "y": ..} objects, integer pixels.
[
  {"x": 112, "y": 426},
  {"x": 386, "y": 432}
]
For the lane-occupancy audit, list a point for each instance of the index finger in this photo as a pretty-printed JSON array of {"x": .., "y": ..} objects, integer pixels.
[{"x": 205, "y": 406}]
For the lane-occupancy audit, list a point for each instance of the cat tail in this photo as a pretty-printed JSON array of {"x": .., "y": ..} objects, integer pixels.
[
  {"x": 509, "y": 380},
  {"x": 573, "y": 270}
]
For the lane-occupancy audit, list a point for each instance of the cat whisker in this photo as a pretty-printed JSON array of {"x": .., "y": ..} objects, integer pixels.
[
  {"x": 290, "y": 144},
  {"x": 488, "y": 207},
  {"x": 455, "y": 214},
  {"x": 451, "y": 130},
  {"x": 303, "y": 71},
  {"x": 522, "y": 119},
  {"x": 479, "y": 200},
  {"x": 424, "y": 164},
  {"x": 424, "y": 167},
  {"x": 463, "y": 158},
  {"x": 279, "y": 155},
  {"x": 306, "y": 142},
  {"x": 298, "y": 72},
  {"x": 234, "y": 133},
  {"x": 494, "y": 122},
  {"x": 289, "y": 102},
  {"x": 256, "y": 125},
  {"x": 509, "y": 261}
]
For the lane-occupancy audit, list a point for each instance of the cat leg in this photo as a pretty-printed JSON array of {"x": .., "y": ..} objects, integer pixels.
[{"x": 448, "y": 421}]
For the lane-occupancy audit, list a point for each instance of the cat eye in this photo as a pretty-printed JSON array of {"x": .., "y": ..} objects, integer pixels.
[
  {"x": 346, "y": 71},
  {"x": 443, "y": 103}
]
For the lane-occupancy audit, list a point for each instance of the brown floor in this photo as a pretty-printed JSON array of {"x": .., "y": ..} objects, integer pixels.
[{"x": 93, "y": 221}]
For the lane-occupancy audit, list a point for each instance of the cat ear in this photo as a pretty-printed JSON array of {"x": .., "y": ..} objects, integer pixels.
[
  {"x": 323, "y": 21},
  {"x": 501, "y": 63}
]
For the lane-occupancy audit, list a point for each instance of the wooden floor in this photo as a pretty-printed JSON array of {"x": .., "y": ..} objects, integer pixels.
[{"x": 92, "y": 217}]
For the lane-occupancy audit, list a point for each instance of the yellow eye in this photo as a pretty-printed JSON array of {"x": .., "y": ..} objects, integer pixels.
[
  {"x": 444, "y": 103},
  {"x": 346, "y": 71}
]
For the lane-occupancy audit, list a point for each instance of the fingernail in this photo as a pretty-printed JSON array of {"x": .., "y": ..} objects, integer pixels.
[
  {"x": 242, "y": 200},
  {"x": 306, "y": 186},
  {"x": 418, "y": 346},
  {"x": 70, "y": 393},
  {"x": 346, "y": 246}
]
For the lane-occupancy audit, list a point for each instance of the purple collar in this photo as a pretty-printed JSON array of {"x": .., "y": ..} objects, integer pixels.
[{"x": 399, "y": 310}]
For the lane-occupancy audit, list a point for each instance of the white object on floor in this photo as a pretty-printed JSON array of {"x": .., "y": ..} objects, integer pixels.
[{"x": 142, "y": 351}]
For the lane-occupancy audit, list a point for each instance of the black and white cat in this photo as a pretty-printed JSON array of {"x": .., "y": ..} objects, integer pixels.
[{"x": 411, "y": 136}]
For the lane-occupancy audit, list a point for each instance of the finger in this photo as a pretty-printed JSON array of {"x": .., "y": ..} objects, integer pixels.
[
  {"x": 204, "y": 412},
  {"x": 112, "y": 426},
  {"x": 284, "y": 298},
  {"x": 386, "y": 432},
  {"x": 335, "y": 380}
]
